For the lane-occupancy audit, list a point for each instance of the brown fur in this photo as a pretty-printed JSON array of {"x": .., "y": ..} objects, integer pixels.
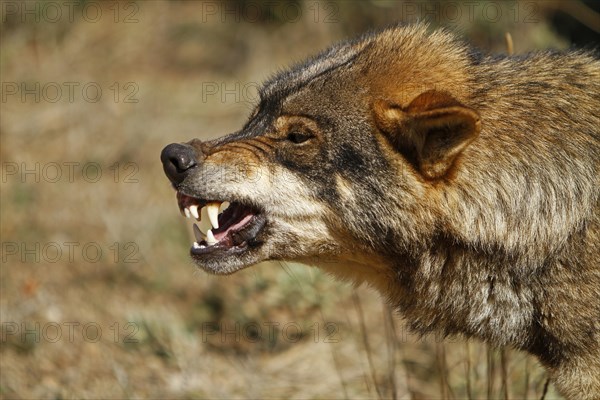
[{"x": 464, "y": 187}]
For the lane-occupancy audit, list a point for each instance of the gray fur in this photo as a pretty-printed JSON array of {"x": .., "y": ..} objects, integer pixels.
[{"x": 502, "y": 246}]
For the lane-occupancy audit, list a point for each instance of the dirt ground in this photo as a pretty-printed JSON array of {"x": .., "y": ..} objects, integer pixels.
[{"x": 99, "y": 299}]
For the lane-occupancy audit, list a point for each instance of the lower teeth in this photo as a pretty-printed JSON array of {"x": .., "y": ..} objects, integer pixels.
[{"x": 210, "y": 238}]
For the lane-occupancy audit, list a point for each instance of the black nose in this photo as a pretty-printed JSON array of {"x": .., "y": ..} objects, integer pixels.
[{"x": 177, "y": 160}]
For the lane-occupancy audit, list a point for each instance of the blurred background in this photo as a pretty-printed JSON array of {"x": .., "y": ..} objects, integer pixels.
[{"x": 98, "y": 296}]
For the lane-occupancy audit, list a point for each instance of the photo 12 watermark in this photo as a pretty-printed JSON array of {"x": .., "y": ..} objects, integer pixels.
[
  {"x": 68, "y": 332},
  {"x": 230, "y": 92},
  {"x": 126, "y": 12},
  {"x": 69, "y": 172},
  {"x": 453, "y": 12},
  {"x": 52, "y": 252},
  {"x": 327, "y": 12},
  {"x": 269, "y": 331},
  {"x": 68, "y": 92}
]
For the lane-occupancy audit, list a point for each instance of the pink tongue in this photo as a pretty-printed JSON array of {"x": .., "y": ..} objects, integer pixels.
[{"x": 237, "y": 225}]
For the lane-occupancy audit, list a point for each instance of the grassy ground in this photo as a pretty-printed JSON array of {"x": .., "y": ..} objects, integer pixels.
[{"x": 98, "y": 297}]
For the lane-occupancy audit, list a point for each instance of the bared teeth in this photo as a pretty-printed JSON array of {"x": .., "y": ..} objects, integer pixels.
[
  {"x": 205, "y": 213},
  {"x": 212, "y": 209},
  {"x": 210, "y": 238},
  {"x": 194, "y": 211}
]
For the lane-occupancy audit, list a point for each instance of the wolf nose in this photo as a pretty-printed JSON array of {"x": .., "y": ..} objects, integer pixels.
[{"x": 177, "y": 160}]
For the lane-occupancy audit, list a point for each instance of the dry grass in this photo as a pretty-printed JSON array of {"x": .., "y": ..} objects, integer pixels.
[{"x": 181, "y": 321}]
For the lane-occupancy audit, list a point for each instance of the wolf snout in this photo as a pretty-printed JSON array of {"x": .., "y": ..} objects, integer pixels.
[{"x": 178, "y": 160}]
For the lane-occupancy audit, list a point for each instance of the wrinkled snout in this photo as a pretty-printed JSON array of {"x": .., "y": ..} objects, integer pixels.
[{"x": 178, "y": 160}]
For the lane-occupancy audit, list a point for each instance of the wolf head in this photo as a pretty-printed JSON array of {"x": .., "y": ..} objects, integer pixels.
[
  {"x": 333, "y": 165},
  {"x": 463, "y": 187}
]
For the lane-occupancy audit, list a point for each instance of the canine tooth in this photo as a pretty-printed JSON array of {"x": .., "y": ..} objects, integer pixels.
[
  {"x": 212, "y": 209},
  {"x": 198, "y": 234},
  {"x": 210, "y": 238},
  {"x": 196, "y": 245},
  {"x": 187, "y": 213},
  {"x": 204, "y": 223},
  {"x": 194, "y": 211}
]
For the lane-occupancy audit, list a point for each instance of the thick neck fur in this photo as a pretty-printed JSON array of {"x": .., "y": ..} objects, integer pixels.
[
  {"x": 515, "y": 231},
  {"x": 512, "y": 227},
  {"x": 506, "y": 247}
]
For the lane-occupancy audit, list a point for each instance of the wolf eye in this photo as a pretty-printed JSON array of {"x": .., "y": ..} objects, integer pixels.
[{"x": 298, "y": 137}]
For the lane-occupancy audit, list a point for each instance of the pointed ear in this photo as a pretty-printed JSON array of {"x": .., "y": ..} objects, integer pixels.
[{"x": 430, "y": 132}]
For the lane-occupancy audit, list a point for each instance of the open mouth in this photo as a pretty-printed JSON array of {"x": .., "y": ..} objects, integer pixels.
[{"x": 233, "y": 228}]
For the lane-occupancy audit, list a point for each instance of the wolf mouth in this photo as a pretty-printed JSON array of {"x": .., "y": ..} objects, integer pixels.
[{"x": 233, "y": 230}]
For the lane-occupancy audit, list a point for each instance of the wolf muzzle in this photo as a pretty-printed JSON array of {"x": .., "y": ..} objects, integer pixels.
[{"x": 178, "y": 161}]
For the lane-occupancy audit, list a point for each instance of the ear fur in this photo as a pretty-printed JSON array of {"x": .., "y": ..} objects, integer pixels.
[{"x": 431, "y": 131}]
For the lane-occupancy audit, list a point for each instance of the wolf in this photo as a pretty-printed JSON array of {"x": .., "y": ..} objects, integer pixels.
[{"x": 462, "y": 186}]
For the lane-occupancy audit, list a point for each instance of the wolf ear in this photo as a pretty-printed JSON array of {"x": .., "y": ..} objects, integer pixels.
[{"x": 431, "y": 131}]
